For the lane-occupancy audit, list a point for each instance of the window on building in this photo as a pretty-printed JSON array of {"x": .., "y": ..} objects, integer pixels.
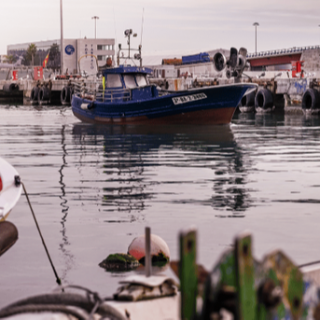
[
  {"x": 105, "y": 47},
  {"x": 102, "y": 58}
]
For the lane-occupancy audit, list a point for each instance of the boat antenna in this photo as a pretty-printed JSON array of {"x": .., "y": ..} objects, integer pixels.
[
  {"x": 114, "y": 21},
  {"x": 115, "y": 29},
  {"x": 142, "y": 26}
]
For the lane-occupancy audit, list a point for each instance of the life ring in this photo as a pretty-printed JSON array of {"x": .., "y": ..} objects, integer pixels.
[
  {"x": 263, "y": 99},
  {"x": 311, "y": 99}
]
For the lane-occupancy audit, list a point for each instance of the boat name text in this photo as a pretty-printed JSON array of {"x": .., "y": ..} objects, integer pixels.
[{"x": 185, "y": 99}]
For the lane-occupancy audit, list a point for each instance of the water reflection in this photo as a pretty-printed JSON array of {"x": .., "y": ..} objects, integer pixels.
[
  {"x": 142, "y": 165},
  {"x": 274, "y": 119},
  {"x": 68, "y": 256}
]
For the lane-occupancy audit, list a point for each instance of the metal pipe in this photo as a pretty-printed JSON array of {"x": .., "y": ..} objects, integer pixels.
[
  {"x": 61, "y": 39},
  {"x": 147, "y": 259},
  {"x": 95, "y": 26},
  {"x": 256, "y": 24}
]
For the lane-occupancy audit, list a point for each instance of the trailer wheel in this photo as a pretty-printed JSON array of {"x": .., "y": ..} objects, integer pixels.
[
  {"x": 311, "y": 99},
  {"x": 264, "y": 99}
]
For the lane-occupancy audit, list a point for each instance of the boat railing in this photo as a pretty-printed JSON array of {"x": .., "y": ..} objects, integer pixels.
[{"x": 94, "y": 91}]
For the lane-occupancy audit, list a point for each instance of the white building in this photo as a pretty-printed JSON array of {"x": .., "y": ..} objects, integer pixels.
[
  {"x": 78, "y": 54},
  {"x": 3, "y": 58}
]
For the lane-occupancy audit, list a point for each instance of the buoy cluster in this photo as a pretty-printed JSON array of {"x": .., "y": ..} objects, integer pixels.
[{"x": 159, "y": 250}]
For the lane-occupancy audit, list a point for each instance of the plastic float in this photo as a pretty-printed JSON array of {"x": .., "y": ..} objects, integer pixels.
[{"x": 159, "y": 249}]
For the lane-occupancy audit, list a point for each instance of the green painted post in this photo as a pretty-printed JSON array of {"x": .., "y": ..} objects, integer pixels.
[
  {"x": 188, "y": 274},
  {"x": 246, "y": 296}
]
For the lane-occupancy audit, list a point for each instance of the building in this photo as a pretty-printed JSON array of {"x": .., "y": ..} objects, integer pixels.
[
  {"x": 284, "y": 59},
  {"x": 78, "y": 54},
  {"x": 3, "y": 58}
]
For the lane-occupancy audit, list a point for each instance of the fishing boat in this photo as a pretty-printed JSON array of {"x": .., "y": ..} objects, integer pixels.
[
  {"x": 127, "y": 98},
  {"x": 124, "y": 96}
]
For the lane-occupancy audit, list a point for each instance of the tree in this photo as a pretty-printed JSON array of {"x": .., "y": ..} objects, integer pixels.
[
  {"x": 31, "y": 52},
  {"x": 10, "y": 59},
  {"x": 54, "y": 56}
]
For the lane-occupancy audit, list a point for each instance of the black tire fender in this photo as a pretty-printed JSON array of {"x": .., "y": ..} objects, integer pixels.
[
  {"x": 311, "y": 99},
  {"x": 248, "y": 99},
  {"x": 10, "y": 87},
  {"x": 44, "y": 94},
  {"x": 263, "y": 99},
  {"x": 34, "y": 93},
  {"x": 65, "y": 95}
]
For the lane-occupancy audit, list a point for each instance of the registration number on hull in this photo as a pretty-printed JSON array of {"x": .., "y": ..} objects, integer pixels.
[{"x": 192, "y": 97}]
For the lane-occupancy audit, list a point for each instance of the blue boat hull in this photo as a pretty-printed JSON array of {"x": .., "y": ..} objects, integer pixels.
[{"x": 208, "y": 105}]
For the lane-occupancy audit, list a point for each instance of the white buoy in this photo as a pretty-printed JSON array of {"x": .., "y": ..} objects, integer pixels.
[{"x": 159, "y": 248}]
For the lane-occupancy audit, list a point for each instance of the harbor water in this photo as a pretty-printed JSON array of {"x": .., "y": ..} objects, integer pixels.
[{"x": 95, "y": 188}]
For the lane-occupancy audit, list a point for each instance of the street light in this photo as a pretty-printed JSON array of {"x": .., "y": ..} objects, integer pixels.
[
  {"x": 61, "y": 39},
  {"x": 95, "y": 26},
  {"x": 256, "y": 24}
]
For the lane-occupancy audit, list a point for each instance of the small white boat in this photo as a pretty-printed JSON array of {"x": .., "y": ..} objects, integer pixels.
[{"x": 10, "y": 188}]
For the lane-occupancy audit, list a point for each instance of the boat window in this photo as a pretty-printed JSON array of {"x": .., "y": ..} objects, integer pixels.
[
  {"x": 129, "y": 81},
  {"x": 141, "y": 80},
  {"x": 114, "y": 81}
]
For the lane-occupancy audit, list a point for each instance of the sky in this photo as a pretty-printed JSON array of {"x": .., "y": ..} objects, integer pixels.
[{"x": 166, "y": 27}]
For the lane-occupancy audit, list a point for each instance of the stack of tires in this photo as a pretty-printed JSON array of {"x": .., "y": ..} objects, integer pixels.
[{"x": 40, "y": 95}]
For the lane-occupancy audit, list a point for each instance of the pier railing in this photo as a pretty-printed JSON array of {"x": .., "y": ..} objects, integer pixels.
[{"x": 94, "y": 91}]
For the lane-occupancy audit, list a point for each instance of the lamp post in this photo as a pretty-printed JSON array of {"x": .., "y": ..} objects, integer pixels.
[
  {"x": 256, "y": 24},
  {"x": 61, "y": 39},
  {"x": 95, "y": 26}
]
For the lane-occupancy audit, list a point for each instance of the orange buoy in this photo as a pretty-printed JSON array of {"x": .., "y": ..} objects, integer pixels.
[{"x": 159, "y": 248}]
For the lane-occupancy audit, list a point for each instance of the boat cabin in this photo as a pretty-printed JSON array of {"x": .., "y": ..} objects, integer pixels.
[{"x": 126, "y": 84}]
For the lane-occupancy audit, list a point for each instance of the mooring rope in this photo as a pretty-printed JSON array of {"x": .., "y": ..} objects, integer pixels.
[{"x": 58, "y": 280}]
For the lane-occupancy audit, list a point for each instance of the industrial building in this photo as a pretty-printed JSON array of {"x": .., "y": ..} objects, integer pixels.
[{"x": 79, "y": 55}]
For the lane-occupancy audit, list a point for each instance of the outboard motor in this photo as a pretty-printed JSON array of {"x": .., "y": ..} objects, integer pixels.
[{"x": 235, "y": 64}]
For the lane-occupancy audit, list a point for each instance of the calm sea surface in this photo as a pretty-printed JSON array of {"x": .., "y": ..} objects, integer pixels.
[{"x": 94, "y": 189}]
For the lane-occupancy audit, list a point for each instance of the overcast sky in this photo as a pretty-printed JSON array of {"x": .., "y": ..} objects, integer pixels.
[{"x": 170, "y": 26}]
